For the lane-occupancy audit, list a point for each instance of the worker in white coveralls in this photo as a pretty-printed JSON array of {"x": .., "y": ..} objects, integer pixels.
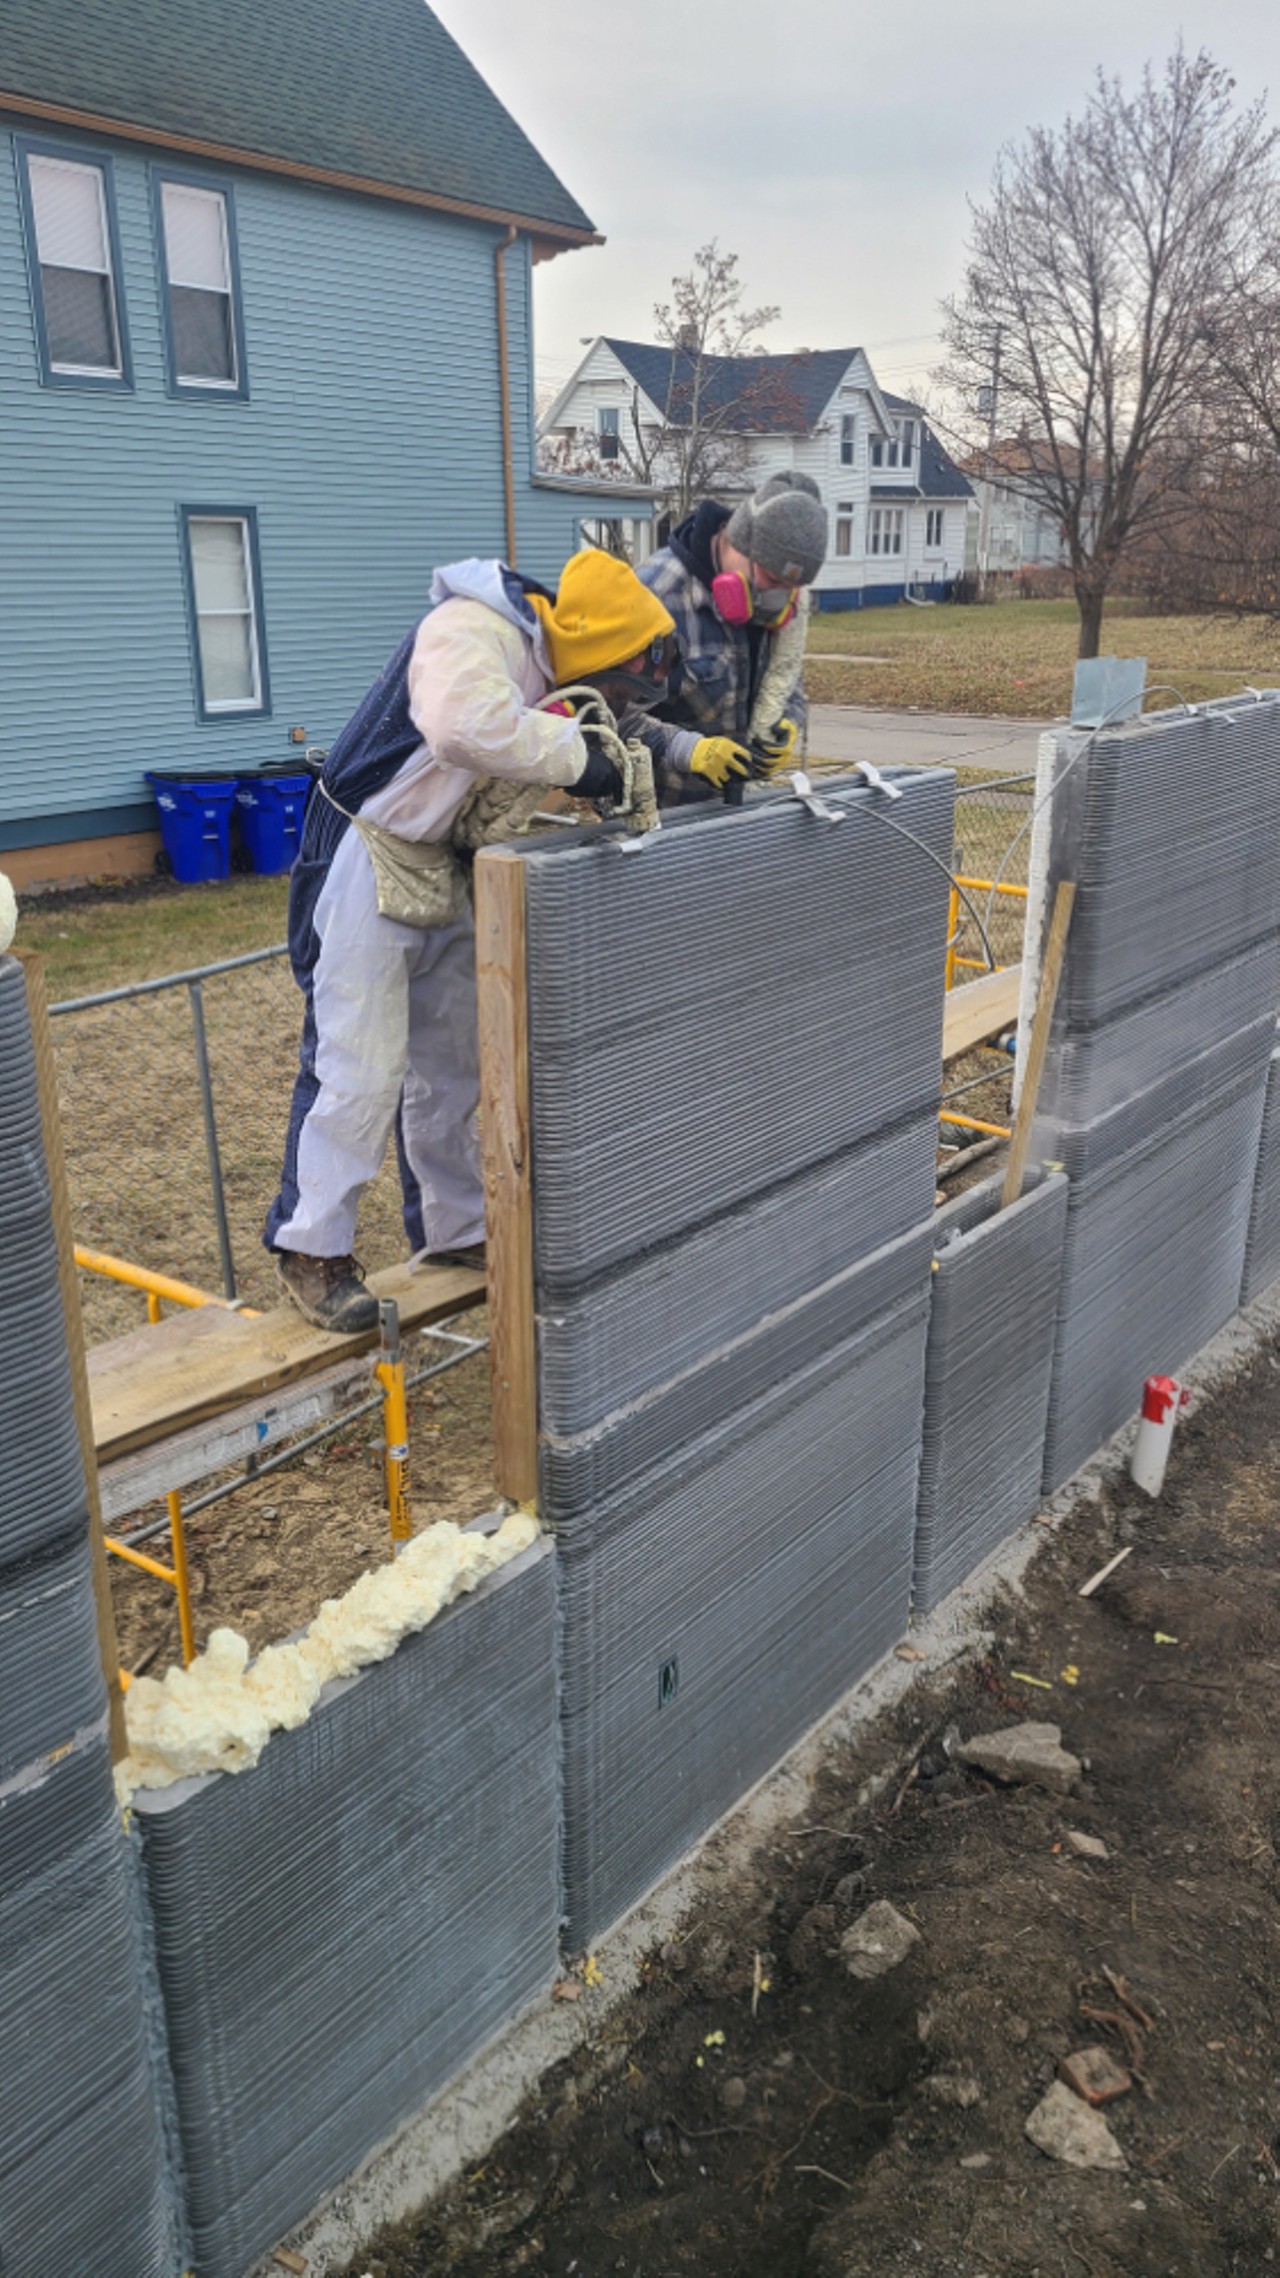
[
  {"x": 734, "y": 580},
  {"x": 380, "y": 929}
]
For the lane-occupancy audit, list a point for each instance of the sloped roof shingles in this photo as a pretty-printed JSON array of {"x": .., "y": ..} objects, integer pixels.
[
  {"x": 775, "y": 394},
  {"x": 375, "y": 90}
]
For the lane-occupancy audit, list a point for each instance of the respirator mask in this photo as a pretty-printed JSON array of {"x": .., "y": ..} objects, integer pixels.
[
  {"x": 647, "y": 684},
  {"x": 738, "y": 602}
]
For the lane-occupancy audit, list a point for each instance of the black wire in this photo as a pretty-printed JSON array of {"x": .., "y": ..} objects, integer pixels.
[{"x": 939, "y": 864}]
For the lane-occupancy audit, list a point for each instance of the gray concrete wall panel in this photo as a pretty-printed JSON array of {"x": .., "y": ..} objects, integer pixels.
[
  {"x": 1262, "y": 1248},
  {"x": 728, "y": 1599},
  {"x": 989, "y": 1361},
  {"x": 340, "y": 1929},
  {"x": 743, "y": 996}
]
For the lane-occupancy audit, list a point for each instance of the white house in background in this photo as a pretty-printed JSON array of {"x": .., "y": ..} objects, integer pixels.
[
  {"x": 899, "y": 509},
  {"x": 1021, "y": 532}
]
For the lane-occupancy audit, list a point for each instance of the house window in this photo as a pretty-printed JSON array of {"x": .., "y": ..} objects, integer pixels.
[
  {"x": 203, "y": 330},
  {"x": 224, "y": 592},
  {"x": 75, "y": 265},
  {"x": 608, "y": 421},
  {"x": 844, "y": 529},
  {"x": 933, "y": 529},
  {"x": 897, "y": 448},
  {"x": 884, "y": 530},
  {"x": 848, "y": 434}
]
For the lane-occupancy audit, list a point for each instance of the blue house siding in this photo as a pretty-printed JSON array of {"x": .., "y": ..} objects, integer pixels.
[{"x": 369, "y": 448}]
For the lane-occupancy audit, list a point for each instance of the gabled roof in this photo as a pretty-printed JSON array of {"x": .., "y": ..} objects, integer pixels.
[
  {"x": 776, "y": 395},
  {"x": 374, "y": 94},
  {"x": 939, "y": 476}
]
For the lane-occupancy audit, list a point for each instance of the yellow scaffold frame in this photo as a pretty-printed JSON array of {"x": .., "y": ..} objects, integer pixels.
[
  {"x": 976, "y": 965},
  {"x": 160, "y": 1289}
]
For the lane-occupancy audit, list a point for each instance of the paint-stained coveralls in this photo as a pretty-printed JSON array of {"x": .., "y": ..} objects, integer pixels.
[{"x": 389, "y": 1029}]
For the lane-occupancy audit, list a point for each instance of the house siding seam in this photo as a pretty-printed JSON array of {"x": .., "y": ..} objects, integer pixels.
[{"x": 369, "y": 449}]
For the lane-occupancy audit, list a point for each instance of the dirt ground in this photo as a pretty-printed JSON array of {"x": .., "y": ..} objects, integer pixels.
[
  {"x": 263, "y": 1560},
  {"x": 753, "y": 2111}
]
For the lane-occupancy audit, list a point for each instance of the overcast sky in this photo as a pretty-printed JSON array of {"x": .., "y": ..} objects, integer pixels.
[{"x": 831, "y": 145}]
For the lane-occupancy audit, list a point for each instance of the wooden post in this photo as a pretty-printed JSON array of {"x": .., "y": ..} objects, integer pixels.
[
  {"x": 1047, "y": 997},
  {"x": 47, "y": 1089},
  {"x": 508, "y": 1185}
]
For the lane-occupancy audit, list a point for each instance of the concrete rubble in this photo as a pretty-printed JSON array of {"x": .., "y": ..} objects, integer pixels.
[
  {"x": 879, "y": 1940},
  {"x": 1064, "y": 2128},
  {"x": 1024, "y": 1755}
]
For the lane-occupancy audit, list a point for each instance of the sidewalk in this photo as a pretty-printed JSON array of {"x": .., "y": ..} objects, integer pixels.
[{"x": 913, "y": 739}]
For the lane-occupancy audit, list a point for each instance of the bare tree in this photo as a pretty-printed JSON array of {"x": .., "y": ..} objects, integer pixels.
[
  {"x": 1243, "y": 334},
  {"x": 1099, "y": 271},
  {"x": 701, "y": 445}
]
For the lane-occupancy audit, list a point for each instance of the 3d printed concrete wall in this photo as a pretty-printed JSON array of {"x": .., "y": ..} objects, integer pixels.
[
  {"x": 1262, "y": 1248},
  {"x": 1154, "y": 1085},
  {"x": 82, "y": 2177},
  {"x": 338, "y": 1930},
  {"x": 733, "y": 1148},
  {"x": 735, "y": 1077},
  {"x": 989, "y": 1361}
]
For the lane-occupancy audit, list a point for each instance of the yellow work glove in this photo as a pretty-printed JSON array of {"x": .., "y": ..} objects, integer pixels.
[
  {"x": 777, "y": 750},
  {"x": 719, "y": 759}
]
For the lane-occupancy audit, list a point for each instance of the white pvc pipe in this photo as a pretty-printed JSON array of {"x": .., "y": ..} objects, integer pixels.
[{"x": 1162, "y": 1397}]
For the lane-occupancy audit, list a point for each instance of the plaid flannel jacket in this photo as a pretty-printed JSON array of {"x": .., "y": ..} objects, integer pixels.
[{"x": 716, "y": 685}]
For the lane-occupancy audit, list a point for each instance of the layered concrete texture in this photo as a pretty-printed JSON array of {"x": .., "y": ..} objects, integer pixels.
[
  {"x": 744, "y": 996},
  {"x": 1175, "y": 827},
  {"x": 734, "y": 1147},
  {"x": 1262, "y": 1246},
  {"x": 42, "y": 1492},
  {"x": 718, "y": 1607},
  {"x": 1157, "y": 1069},
  {"x": 989, "y": 1363},
  {"x": 338, "y": 1930},
  {"x": 83, "y": 2182}
]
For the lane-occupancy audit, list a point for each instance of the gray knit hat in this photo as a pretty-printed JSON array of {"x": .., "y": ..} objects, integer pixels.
[{"x": 783, "y": 527}]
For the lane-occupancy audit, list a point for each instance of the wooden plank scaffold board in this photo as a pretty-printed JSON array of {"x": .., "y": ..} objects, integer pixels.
[
  {"x": 980, "y": 1009},
  {"x": 167, "y": 1466},
  {"x": 192, "y": 1366}
]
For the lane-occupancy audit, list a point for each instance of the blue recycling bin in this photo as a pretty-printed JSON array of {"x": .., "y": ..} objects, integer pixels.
[
  {"x": 195, "y": 823},
  {"x": 270, "y": 806}
]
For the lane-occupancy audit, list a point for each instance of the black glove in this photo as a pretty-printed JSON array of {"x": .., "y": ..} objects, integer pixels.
[{"x": 599, "y": 779}]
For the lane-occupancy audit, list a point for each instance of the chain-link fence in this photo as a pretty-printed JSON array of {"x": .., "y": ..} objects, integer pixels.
[
  {"x": 175, "y": 1093},
  {"x": 992, "y": 847},
  {"x": 175, "y": 1101}
]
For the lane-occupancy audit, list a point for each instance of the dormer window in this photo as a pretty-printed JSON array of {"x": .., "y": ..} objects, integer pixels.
[{"x": 896, "y": 449}]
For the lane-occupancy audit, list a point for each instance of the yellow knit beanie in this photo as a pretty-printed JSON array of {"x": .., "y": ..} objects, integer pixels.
[{"x": 602, "y": 616}]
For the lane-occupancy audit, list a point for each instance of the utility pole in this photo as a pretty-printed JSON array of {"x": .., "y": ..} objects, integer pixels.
[{"x": 992, "y": 395}]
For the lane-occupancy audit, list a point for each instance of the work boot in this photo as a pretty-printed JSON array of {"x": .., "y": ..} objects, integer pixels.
[
  {"x": 328, "y": 1292},
  {"x": 473, "y": 1257}
]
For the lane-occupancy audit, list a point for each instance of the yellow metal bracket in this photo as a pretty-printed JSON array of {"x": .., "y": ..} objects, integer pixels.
[{"x": 389, "y": 1372}]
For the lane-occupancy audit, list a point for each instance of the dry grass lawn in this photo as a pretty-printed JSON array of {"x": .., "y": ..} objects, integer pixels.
[{"x": 1017, "y": 657}]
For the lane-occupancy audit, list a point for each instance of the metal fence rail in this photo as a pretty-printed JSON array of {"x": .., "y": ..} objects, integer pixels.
[
  {"x": 175, "y": 1092},
  {"x": 175, "y": 1100}
]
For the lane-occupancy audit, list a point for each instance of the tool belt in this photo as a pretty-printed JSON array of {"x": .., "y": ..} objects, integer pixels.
[{"x": 417, "y": 881}]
